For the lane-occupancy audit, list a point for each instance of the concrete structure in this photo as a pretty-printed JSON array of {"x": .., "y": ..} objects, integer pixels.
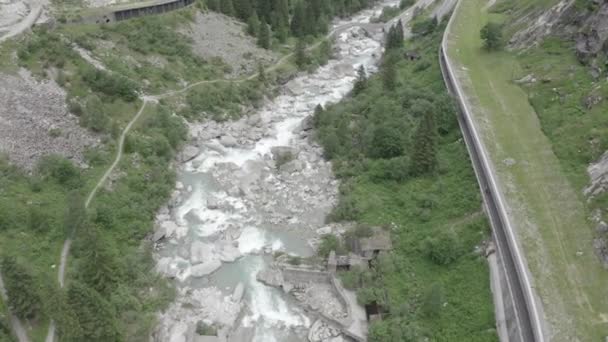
[
  {"x": 124, "y": 12},
  {"x": 520, "y": 312}
]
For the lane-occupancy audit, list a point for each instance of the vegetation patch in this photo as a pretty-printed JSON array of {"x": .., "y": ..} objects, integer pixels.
[{"x": 396, "y": 145}]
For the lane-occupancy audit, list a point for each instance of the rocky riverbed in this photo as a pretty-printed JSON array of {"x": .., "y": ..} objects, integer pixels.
[{"x": 247, "y": 189}]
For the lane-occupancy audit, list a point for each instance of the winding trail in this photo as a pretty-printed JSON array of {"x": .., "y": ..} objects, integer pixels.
[{"x": 18, "y": 329}]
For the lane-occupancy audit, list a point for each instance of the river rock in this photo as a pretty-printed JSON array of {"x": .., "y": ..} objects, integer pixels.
[
  {"x": 229, "y": 253},
  {"x": 255, "y": 120},
  {"x": 324, "y": 230},
  {"x": 188, "y": 153},
  {"x": 283, "y": 152},
  {"x": 213, "y": 203},
  {"x": 228, "y": 141},
  {"x": 206, "y": 268},
  {"x": 270, "y": 277},
  {"x": 201, "y": 252},
  {"x": 292, "y": 166},
  {"x": 237, "y": 294}
]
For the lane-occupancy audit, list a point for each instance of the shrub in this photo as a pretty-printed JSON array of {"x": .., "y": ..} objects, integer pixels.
[
  {"x": 61, "y": 170},
  {"x": 491, "y": 34},
  {"x": 294, "y": 260},
  {"x": 387, "y": 142},
  {"x": 444, "y": 248},
  {"x": 329, "y": 242},
  {"x": 112, "y": 85}
]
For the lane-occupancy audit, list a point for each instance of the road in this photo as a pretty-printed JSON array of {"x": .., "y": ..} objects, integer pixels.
[
  {"x": 526, "y": 324},
  {"x": 27, "y": 22}
]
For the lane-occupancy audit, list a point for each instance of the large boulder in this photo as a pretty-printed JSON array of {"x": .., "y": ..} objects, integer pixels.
[
  {"x": 270, "y": 277},
  {"x": 228, "y": 141},
  {"x": 283, "y": 153},
  {"x": 188, "y": 153},
  {"x": 238, "y": 293},
  {"x": 205, "y": 268},
  {"x": 292, "y": 166},
  {"x": 229, "y": 252},
  {"x": 202, "y": 252}
]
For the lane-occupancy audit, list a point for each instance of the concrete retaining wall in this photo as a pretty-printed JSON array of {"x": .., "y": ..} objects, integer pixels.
[
  {"x": 136, "y": 10},
  {"x": 299, "y": 276}
]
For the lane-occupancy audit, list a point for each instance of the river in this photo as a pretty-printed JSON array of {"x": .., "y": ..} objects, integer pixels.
[{"x": 234, "y": 207}]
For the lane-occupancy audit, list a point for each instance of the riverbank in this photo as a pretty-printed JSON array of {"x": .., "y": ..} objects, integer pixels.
[{"x": 250, "y": 188}]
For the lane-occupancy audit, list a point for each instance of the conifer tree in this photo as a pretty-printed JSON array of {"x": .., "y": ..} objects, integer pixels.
[
  {"x": 100, "y": 268},
  {"x": 227, "y": 7},
  {"x": 243, "y": 9},
  {"x": 301, "y": 57},
  {"x": 264, "y": 10},
  {"x": 23, "y": 293},
  {"x": 298, "y": 20},
  {"x": 261, "y": 73},
  {"x": 253, "y": 25},
  {"x": 95, "y": 315},
  {"x": 213, "y": 5},
  {"x": 264, "y": 36},
  {"x": 361, "y": 82},
  {"x": 389, "y": 72},
  {"x": 424, "y": 155}
]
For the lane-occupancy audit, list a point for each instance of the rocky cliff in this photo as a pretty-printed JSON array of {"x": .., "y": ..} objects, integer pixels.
[{"x": 585, "y": 22}]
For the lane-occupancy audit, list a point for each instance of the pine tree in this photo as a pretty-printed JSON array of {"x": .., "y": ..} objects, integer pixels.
[
  {"x": 298, "y": 21},
  {"x": 261, "y": 74},
  {"x": 264, "y": 36},
  {"x": 95, "y": 315},
  {"x": 361, "y": 82},
  {"x": 253, "y": 24},
  {"x": 389, "y": 72},
  {"x": 301, "y": 57},
  {"x": 213, "y": 5},
  {"x": 227, "y": 8},
  {"x": 317, "y": 117},
  {"x": 424, "y": 156},
  {"x": 23, "y": 293},
  {"x": 281, "y": 30},
  {"x": 100, "y": 268},
  {"x": 264, "y": 10},
  {"x": 243, "y": 9}
]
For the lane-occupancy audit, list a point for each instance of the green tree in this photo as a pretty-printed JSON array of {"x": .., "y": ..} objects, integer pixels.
[
  {"x": 264, "y": 36},
  {"x": 329, "y": 242},
  {"x": 361, "y": 81},
  {"x": 213, "y": 5},
  {"x": 243, "y": 9},
  {"x": 262, "y": 74},
  {"x": 253, "y": 25},
  {"x": 227, "y": 7},
  {"x": 301, "y": 57},
  {"x": 389, "y": 72},
  {"x": 387, "y": 142},
  {"x": 95, "y": 315},
  {"x": 491, "y": 34},
  {"x": 23, "y": 293},
  {"x": 100, "y": 267},
  {"x": 94, "y": 116},
  {"x": 298, "y": 20},
  {"x": 424, "y": 155}
]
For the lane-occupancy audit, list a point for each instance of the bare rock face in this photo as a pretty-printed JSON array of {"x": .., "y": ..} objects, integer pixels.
[
  {"x": 598, "y": 173},
  {"x": 189, "y": 152},
  {"x": 35, "y": 122}
]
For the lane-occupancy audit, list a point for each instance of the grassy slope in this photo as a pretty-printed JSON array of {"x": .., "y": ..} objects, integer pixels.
[
  {"x": 547, "y": 211},
  {"x": 420, "y": 208}
]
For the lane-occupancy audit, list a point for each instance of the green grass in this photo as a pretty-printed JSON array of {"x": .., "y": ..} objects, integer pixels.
[{"x": 547, "y": 210}]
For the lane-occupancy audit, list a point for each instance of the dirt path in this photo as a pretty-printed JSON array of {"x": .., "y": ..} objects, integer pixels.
[{"x": 16, "y": 325}]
